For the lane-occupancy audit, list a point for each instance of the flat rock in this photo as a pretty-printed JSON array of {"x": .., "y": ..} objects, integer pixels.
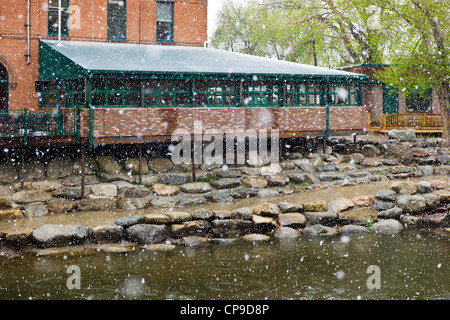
[
  {"x": 254, "y": 182},
  {"x": 266, "y": 210},
  {"x": 286, "y": 233},
  {"x": 361, "y": 214},
  {"x": 147, "y": 233},
  {"x": 316, "y": 206},
  {"x": 107, "y": 233},
  {"x": 341, "y": 204},
  {"x": 293, "y": 220},
  {"x": 96, "y": 204},
  {"x": 128, "y": 221},
  {"x": 353, "y": 229},
  {"x": 231, "y": 227},
  {"x": 31, "y": 196},
  {"x": 256, "y": 237},
  {"x": 165, "y": 190},
  {"x": 160, "y": 165},
  {"x": 196, "y": 187},
  {"x": 319, "y": 230},
  {"x": 50, "y": 235},
  {"x": 226, "y": 183},
  {"x": 387, "y": 226}
]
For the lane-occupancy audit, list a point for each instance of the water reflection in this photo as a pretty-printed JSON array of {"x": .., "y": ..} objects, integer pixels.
[{"x": 413, "y": 265}]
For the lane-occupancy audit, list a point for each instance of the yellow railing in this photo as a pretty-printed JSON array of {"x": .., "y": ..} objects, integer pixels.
[{"x": 417, "y": 121}]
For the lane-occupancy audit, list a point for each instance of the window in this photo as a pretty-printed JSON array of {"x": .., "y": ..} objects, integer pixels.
[
  {"x": 215, "y": 93},
  {"x": 53, "y": 9},
  {"x": 117, "y": 19},
  {"x": 164, "y": 21},
  {"x": 342, "y": 94},
  {"x": 264, "y": 94},
  {"x": 302, "y": 94},
  {"x": 167, "y": 93},
  {"x": 3, "y": 88},
  {"x": 75, "y": 93},
  {"x": 420, "y": 102},
  {"x": 49, "y": 94},
  {"x": 119, "y": 93}
]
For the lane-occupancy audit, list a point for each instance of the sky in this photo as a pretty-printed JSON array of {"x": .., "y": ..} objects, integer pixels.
[{"x": 213, "y": 8}]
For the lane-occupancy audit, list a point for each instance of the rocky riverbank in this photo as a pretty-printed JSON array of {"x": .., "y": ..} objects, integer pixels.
[{"x": 52, "y": 189}]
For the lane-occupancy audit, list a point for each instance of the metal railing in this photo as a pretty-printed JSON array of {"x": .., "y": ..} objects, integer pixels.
[
  {"x": 40, "y": 122},
  {"x": 416, "y": 121}
]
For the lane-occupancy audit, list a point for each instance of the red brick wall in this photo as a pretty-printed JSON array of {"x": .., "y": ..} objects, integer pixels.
[
  {"x": 88, "y": 20},
  {"x": 162, "y": 122}
]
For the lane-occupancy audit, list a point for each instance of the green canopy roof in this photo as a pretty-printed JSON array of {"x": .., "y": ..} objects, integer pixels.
[{"x": 77, "y": 59}]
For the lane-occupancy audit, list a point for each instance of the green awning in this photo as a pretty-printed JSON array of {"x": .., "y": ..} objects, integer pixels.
[{"x": 77, "y": 59}]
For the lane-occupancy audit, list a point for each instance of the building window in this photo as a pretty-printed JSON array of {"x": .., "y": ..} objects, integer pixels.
[
  {"x": 118, "y": 93},
  {"x": 49, "y": 94},
  {"x": 342, "y": 94},
  {"x": 117, "y": 21},
  {"x": 215, "y": 93},
  {"x": 261, "y": 94},
  {"x": 164, "y": 21},
  {"x": 53, "y": 15},
  {"x": 302, "y": 94},
  {"x": 167, "y": 93},
  {"x": 3, "y": 89},
  {"x": 417, "y": 102},
  {"x": 75, "y": 93}
]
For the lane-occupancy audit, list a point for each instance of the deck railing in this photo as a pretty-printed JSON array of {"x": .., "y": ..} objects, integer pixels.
[
  {"x": 417, "y": 121},
  {"x": 40, "y": 122}
]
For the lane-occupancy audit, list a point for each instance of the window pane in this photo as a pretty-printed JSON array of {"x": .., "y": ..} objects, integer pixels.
[
  {"x": 114, "y": 99},
  {"x": 151, "y": 99},
  {"x": 98, "y": 99},
  {"x": 131, "y": 99},
  {"x": 164, "y": 31},
  {"x": 302, "y": 99},
  {"x": 181, "y": 86},
  {"x": 352, "y": 99},
  {"x": 131, "y": 85},
  {"x": 215, "y": 99},
  {"x": 182, "y": 99},
  {"x": 115, "y": 84},
  {"x": 164, "y": 12},
  {"x": 151, "y": 85},
  {"x": 228, "y": 86},
  {"x": 167, "y": 99},
  {"x": 98, "y": 84},
  {"x": 201, "y": 85},
  {"x": 166, "y": 85},
  {"x": 314, "y": 99},
  {"x": 116, "y": 8},
  {"x": 291, "y": 99},
  {"x": 116, "y": 28},
  {"x": 229, "y": 99}
]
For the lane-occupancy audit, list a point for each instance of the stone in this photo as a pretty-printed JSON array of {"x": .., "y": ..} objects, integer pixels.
[
  {"x": 424, "y": 187},
  {"x": 231, "y": 227},
  {"x": 90, "y": 166},
  {"x": 273, "y": 168},
  {"x": 164, "y": 202},
  {"x": 104, "y": 190},
  {"x": 178, "y": 216},
  {"x": 126, "y": 204},
  {"x": 353, "y": 229},
  {"x": 361, "y": 214},
  {"x": 316, "y": 206},
  {"x": 439, "y": 184},
  {"x": 287, "y": 207},
  {"x": 5, "y": 203},
  {"x": 408, "y": 135},
  {"x": 369, "y": 150},
  {"x": 196, "y": 187},
  {"x": 226, "y": 183},
  {"x": 159, "y": 165},
  {"x": 345, "y": 167},
  {"x": 59, "y": 167},
  {"x": 393, "y": 213},
  {"x": 132, "y": 164},
  {"x": 381, "y": 205},
  {"x": 319, "y": 230},
  {"x": 244, "y": 213},
  {"x": 96, "y": 204},
  {"x": 341, "y": 204},
  {"x": 226, "y": 172},
  {"x": 147, "y": 233},
  {"x": 31, "y": 196},
  {"x": 426, "y": 170},
  {"x": 325, "y": 218},
  {"x": 363, "y": 201},
  {"x": 51, "y": 235},
  {"x": 442, "y": 170},
  {"x": 128, "y": 221},
  {"x": 202, "y": 214},
  {"x": 155, "y": 218},
  {"x": 35, "y": 209},
  {"x": 443, "y": 159},
  {"x": 266, "y": 210},
  {"x": 34, "y": 169},
  {"x": 254, "y": 159},
  {"x": 277, "y": 181},
  {"x": 286, "y": 233},
  {"x": 386, "y": 195},
  {"x": 159, "y": 247},
  {"x": 142, "y": 203},
  {"x": 190, "y": 228},
  {"x": 264, "y": 224},
  {"x": 256, "y": 237},
  {"x": 222, "y": 214},
  {"x": 17, "y": 239},
  {"x": 165, "y": 190},
  {"x": 292, "y": 220},
  {"x": 404, "y": 187},
  {"x": 419, "y": 152},
  {"x": 61, "y": 206},
  {"x": 242, "y": 192},
  {"x": 267, "y": 193},
  {"x": 438, "y": 219},
  {"x": 432, "y": 200},
  {"x": 44, "y": 186},
  {"x": 412, "y": 203},
  {"x": 10, "y": 214},
  {"x": 194, "y": 241},
  {"x": 69, "y": 192},
  {"x": 254, "y": 182},
  {"x": 397, "y": 151},
  {"x": 302, "y": 178},
  {"x": 219, "y": 197},
  {"x": 387, "y": 226},
  {"x": 108, "y": 164},
  {"x": 107, "y": 233}
]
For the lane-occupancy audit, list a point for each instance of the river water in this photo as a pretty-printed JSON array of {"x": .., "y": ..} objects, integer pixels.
[{"x": 411, "y": 265}]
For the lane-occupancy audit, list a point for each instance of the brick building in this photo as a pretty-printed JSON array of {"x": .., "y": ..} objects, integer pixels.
[{"x": 132, "y": 71}]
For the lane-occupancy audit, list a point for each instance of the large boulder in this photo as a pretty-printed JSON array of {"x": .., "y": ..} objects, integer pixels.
[
  {"x": 359, "y": 215},
  {"x": 50, "y": 235},
  {"x": 231, "y": 227},
  {"x": 159, "y": 165},
  {"x": 26, "y": 196},
  {"x": 60, "y": 167},
  {"x": 408, "y": 135},
  {"x": 412, "y": 204},
  {"x": 107, "y": 233},
  {"x": 104, "y": 189},
  {"x": 266, "y": 209},
  {"x": 108, "y": 164},
  {"x": 387, "y": 226},
  {"x": 147, "y": 233}
]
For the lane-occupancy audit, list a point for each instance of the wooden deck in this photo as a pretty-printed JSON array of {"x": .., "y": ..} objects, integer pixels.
[{"x": 420, "y": 122}]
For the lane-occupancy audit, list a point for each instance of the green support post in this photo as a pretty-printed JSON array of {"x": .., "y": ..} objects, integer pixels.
[
  {"x": 77, "y": 115},
  {"x": 91, "y": 126},
  {"x": 25, "y": 126},
  {"x": 328, "y": 122}
]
